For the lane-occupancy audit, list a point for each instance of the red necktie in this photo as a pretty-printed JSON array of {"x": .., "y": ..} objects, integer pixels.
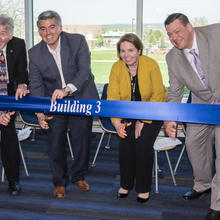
[{"x": 3, "y": 75}]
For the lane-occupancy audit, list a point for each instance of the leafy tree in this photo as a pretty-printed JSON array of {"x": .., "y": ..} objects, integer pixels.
[
  {"x": 157, "y": 34},
  {"x": 155, "y": 37},
  {"x": 162, "y": 41},
  {"x": 100, "y": 41}
]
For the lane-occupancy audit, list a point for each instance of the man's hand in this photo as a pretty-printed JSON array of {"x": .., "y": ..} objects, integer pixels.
[
  {"x": 42, "y": 119},
  {"x": 59, "y": 94},
  {"x": 170, "y": 127},
  {"x": 5, "y": 118},
  {"x": 21, "y": 91},
  {"x": 138, "y": 128}
]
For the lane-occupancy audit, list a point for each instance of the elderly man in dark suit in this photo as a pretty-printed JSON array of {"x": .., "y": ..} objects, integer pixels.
[
  {"x": 14, "y": 79},
  {"x": 194, "y": 63},
  {"x": 60, "y": 68}
]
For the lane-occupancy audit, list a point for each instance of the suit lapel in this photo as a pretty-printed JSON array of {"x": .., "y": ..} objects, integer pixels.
[
  {"x": 50, "y": 62},
  {"x": 203, "y": 51},
  {"x": 187, "y": 66},
  {"x": 65, "y": 55},
  {"x": 10, "y": 52},
  {"x": 190, "y": 76}
]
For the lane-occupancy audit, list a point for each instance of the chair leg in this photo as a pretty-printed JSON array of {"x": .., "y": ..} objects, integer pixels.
[
  {"x": 70, "y": 146},
  {"x": 109, "y": 138},
  {"x": 23, "y": 160},
  {"x": 178, "y": 161},
  {"x": 97, "y": 150},
  {"x": 3, "y": 174},
  {"x": 170, "y": 166},
  {"x": 156, "y": 171},
  {"x": 33, "y": 134},
  {"x": 153, "y": 170}
]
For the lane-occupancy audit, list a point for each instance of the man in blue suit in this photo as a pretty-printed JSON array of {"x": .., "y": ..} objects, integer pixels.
[{"x": 60, "y": 68}]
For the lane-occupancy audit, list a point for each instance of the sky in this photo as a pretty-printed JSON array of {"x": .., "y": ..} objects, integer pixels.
[{"x": 123, "y": 11}]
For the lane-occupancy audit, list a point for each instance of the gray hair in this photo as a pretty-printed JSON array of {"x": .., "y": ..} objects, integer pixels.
[
  {"x": 49, "y": 15},
  {"x": 7, "y": 22}
]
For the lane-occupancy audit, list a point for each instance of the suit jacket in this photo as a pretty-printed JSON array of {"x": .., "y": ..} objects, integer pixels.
[
  {"x": 182, "y": 74},
  {"x": 75, "y": 59},
  {"x": 16, "y": 64},
  {"x": 17, "y": 70}
]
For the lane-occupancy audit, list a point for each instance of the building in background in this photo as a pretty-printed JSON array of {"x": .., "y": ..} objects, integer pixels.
[
  {"x": 91, "y": 32},
  {"x": 111, "y": 38}
]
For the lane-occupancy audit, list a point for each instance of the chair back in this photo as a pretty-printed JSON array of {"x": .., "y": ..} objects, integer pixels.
[
  {"x": 105, "y": 122},
  {"x": 104, "y": 92},
  {"x": 29, "y": 118}
]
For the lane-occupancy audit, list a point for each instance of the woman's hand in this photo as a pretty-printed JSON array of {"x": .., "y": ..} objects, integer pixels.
[
  {"x": 42, "y": 119},
  {"x": 138, "y": 128},
  {"x": 5, "y": 118},
  {"x": 120, "y": 128}
]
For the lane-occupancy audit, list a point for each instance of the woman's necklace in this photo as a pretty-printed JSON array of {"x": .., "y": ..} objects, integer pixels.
[{"x": 133, "y": 77}]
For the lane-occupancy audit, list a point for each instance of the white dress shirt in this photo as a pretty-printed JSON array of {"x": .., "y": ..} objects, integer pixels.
[
  {"x": 189, "y": 56},
  {"x": 57, "y": 58}
]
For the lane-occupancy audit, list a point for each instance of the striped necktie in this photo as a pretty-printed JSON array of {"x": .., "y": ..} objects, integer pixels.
[
  {"x": 3, "y": 75},
  {"x": 198, "y": 66}
]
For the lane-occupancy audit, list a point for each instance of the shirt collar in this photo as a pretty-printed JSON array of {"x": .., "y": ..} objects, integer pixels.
[
  {"x": 4, "y": 49},
  {"x": 194, "y": 46},
  {"x": 57, "y": 50}
]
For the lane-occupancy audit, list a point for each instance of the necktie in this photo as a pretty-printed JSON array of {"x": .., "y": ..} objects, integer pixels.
[
  {"x": 3, "y": 75},
  {"x": 198, "y": 66}
]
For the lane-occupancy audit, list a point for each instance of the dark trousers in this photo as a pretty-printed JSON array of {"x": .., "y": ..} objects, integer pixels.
[
  {"x": 79, "y": 130},
  {"x": 136, "y": 157},
  {"x": 10, "y": 151}
]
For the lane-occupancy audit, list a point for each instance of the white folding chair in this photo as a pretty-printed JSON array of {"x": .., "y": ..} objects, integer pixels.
[
  {"x": 70, "y": 146},
  {"x": 164, "y": 144},
  {"x": 182, "y": 151},
  {"x": 30, "y": 119},
  {"x": 107, "y": 128},
  {"x": 106, "y": 125}
]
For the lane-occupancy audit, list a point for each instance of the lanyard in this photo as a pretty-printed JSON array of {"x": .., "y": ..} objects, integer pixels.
[{"x": 133, "y": 83}]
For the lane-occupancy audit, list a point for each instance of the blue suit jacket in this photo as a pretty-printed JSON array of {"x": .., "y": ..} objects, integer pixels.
[{"x": 75, "y": 59}]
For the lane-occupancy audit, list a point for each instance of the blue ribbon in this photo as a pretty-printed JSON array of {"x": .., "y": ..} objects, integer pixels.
[{"x": 195, "y": 113}]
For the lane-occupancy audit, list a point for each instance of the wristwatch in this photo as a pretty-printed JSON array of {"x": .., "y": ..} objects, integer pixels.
[{"x": 67, "y": 90}]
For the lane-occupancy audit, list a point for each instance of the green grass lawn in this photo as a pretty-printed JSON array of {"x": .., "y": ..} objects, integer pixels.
[
  {"x": 109, "y": 54},
  {"x": 157, "y": 57},
  {"x": 101, "y": 70}
]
